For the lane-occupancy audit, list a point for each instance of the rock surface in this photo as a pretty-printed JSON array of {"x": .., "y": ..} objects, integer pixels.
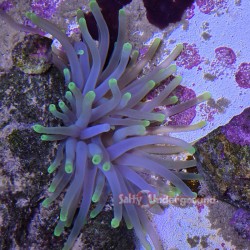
[{"x": 225, "y": 163}]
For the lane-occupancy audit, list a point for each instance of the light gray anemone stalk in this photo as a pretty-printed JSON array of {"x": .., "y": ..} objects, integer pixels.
[{"x": 110, "y": 135}]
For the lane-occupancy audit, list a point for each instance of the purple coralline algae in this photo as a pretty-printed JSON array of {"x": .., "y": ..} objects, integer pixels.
[
  {"x": 205, "y": 6},
  {"x": 209, "y": 6},
  {"x": 6, "y": 5},
  {"x": 241, "y": 223},
  {"x": 225, "y": 55},
  {"x": 190, "y": 12},
  {"x": 242, "y": 76},
  {"x": 44, "y": 8},
  {"x": 189, "y": 57},
  {"x": 238, "y": 129}
]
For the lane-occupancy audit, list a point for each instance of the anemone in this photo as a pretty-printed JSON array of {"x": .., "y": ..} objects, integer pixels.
[{"x": 110, "y": 136}]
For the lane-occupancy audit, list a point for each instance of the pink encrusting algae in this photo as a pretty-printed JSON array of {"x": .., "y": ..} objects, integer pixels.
[
  {"x": 238, "y": 129},
  {"x": 210, "y": 6},
  {"x": 242, "y": 75},
  {"x": 44, "y": 8},
  {"x": 189, "y": 57},
  {"x": 6, "y": 5},
  {"x": 225, "y": 56},
  {"x": 190, "y": 12}
]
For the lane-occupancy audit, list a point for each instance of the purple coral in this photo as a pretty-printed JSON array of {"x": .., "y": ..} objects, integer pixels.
[{"x": 109, "y": 135}]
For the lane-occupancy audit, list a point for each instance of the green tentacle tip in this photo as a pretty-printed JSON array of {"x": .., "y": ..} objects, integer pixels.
[
  {"x": 180, "y": 46},
  {"x": 68, "y": 168},
  {"x": 90, "y": 96},
  {"x": 151, "y": 84},
  {"x": 92, "y": 4},
  {"x": 157, "y": 41},
  {"x": 173, "y": 68},
  {"x": 46, "y": 203},
  {"x": 52, "y": 188},
  {"x": 195, "y": 195},
  {"x": 61, "y": 104},
  {"x": 127, "y": 46},
  {"x": 82, "y": 22},
  {"x": 68, "y": 94},
  {"x": 32, "y": 16},
  {"x": 38, "y": 128},
  {"x": 58, "y": 231},
  {"x": 135, "y": 53},
  {"x": 63, "y": 216},
  {"x": 66, "y": 71},
  {"x": 202, "y": 124},
  {"x": 122, "y": 12},
  {"x": 127, "y": 95},
  {"x": 160, "y": 117},
  {"x": 106, "y": 166},
  {"x": 44, "y": 137},
  {"x": 206, "y": 95},
  {"x": 112, "y": 82},
  {"x": 115, "y": 223},
  {"x": 96, "y": 159},
  {"x": 191, "y": 150},
  {"x": 80, "y": 52},
  {"x": 71, "y": 86},
  {"x": 95, "y": 198},
  {"x": 179, "y": 77},
  {"x": 52, "y": 107},
  {"x": 145, "y": 123},
  {"x": 93, "y": 214},
  {"x": 28, "y": 14},
  {"x": 51, "y": 168},
  {"x": 174, "y": 99}
]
